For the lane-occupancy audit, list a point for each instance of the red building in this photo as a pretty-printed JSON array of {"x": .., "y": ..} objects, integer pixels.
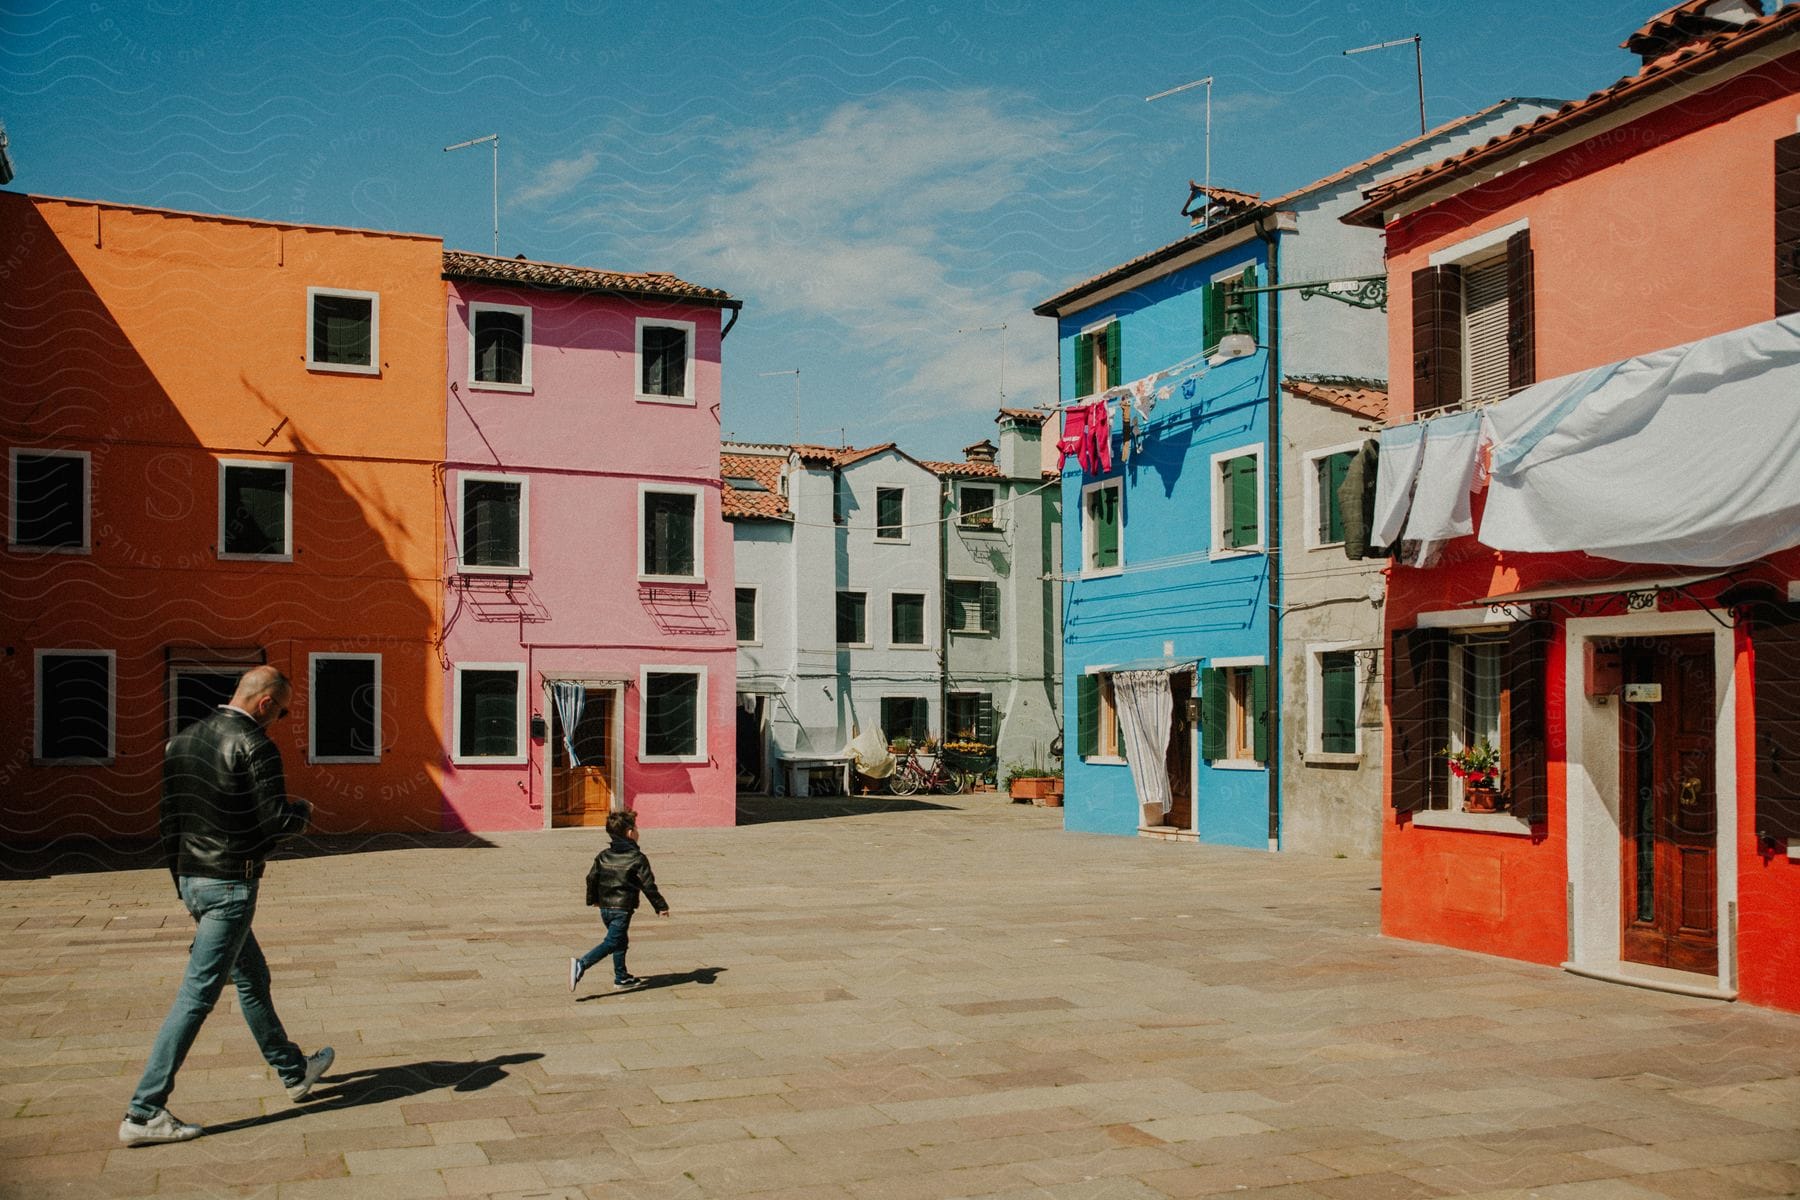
[{"x": 1591, "y": 494}]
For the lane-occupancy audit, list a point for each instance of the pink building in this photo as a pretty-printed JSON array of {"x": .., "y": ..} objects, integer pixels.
[{"x": 587, "y": 639}]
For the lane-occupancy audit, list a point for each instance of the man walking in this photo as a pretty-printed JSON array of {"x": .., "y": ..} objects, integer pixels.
[{"x": 224, "y": 808}]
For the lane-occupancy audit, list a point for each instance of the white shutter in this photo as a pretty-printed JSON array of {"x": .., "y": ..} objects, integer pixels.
[{"x": 1484, "y": 330}]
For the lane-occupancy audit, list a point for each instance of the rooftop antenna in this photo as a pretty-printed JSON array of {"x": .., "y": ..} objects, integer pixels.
[
  {"x": 795, "y": 372},
  {"x": 1207, "y": 82},
  {"x": 1418, "y": 63},
  {"x": 495, "y": 139},
  {"x": 989, "y": 329}
]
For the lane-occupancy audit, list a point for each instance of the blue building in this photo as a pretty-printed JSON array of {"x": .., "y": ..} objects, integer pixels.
[{"x": 1173, "y": 550}]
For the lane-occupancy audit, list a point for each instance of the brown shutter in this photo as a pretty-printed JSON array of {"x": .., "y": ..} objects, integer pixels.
[
  {"x": 1524, "y": 742},
  {"x": 1419, "y": 715},
  {"x": 1775, "y": 646},
  {"x": 1437, "y": 338},
  {"x": 1521, "y": 325},
  {"x": 1787, "y": 225}
]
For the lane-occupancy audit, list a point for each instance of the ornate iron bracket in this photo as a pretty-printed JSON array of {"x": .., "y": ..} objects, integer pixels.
[{"x": 1371, "y": 291}]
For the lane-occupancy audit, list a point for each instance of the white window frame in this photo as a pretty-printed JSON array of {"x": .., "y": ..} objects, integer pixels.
[
  {"x": 1456, "y": 666},
  {"x": 700, "y": 526},
  {"x": 87, "y": 499},
  {"x": 868, "y": 642},
  {"x": 993, "y": 510},
  {"x": 1107, "y": 707},
  {"x": 312, "y": 707},
  {"x": 903, "y": 539},
  {"x": 1088, "y": 331},
  {"x": 374, "y": 299},
  {"x": 37, "y": 707},
  {"x": 456, "y": 698},
  {"x": 524, "y": 385},
  {"x": 756, "y": 610},
  {"x": 702, "y": 751},
  {"x": 463, "y": 567},
  {"x": 1088, "y": 532},
  {"x": 1240, "y": 662},
  {"x": 1220, "y": 506},
  {"x": 688, "y": 397},
  {"x": 1315, "y": 701},
  {"x": 924, "y": 642},
  {"x": 1310, "y": 496},
  {"x": 287, "y": 516}
]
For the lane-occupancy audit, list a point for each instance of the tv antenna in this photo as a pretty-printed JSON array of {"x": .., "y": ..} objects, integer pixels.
[
  {"x": 1207, "y": 83},
  {"x": 1001, "y": 327},
  {"x": 1418, "y": 64},
  {"x": 795, "y": 372},
  {"x": 495, "y": 139}
]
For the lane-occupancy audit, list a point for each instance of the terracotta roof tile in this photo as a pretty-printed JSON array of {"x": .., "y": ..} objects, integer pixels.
[
  {"x": 1229, "y": 200},
  {"x": 1680, "y": 24},
  {"x": 964, "y": 470},
  {"x": 1039, "y": 415},
  {"x": 461, "y": 264},
  {"x": 1363, "y": 397},
  {"x": 1668, "y": 70},
  {"x": 765, "y": 469}
]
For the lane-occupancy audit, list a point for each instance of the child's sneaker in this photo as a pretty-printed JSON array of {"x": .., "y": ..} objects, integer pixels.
[
  {"x": 575, "y": 973},
  {"x": 627, "y": 983}
]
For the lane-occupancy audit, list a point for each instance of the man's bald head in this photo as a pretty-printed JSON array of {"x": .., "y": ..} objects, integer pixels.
[{"x": 263, "y": 692}]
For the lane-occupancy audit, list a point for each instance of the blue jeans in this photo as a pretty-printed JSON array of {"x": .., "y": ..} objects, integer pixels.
[
  {"x": 223, "y": 948},
  {"x": 617, "y": 941}
]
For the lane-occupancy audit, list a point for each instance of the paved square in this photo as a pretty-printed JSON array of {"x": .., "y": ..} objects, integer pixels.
[{"x": 870, "y": 1000}]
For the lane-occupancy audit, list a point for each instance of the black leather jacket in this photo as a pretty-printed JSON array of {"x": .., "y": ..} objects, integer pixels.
[
  {"x": 619, "y": 873},
  {"x": 224, "y": 801}
]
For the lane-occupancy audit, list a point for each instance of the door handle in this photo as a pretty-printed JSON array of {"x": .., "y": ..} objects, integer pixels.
[{"x": 1690, "y": 792}]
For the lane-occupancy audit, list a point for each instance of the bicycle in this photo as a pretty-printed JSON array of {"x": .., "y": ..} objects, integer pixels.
[{"x": 912, "y": 775}]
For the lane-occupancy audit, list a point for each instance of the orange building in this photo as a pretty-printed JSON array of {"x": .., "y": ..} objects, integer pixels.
[
  {"x": 223, "y": 441},
  {"x": 1644, "y": 710}
]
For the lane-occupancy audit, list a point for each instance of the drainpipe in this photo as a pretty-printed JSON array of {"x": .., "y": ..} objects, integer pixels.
[
  {"x": 943, "y": 528},
  {"x": 1272, "y": 239}
]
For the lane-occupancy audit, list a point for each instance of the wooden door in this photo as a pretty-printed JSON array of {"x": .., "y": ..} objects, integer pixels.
[
  {"x": 1668, "y": 813},
  {"x": 583, "y": 794},
  {"x": 1179, "y": 755}
]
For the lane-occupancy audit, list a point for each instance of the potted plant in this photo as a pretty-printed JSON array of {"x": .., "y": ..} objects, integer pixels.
[
  {"x": 1039, "y": 785},
  {"x": 899, "y": 745},
  {"x": 1478, "y": 766}
]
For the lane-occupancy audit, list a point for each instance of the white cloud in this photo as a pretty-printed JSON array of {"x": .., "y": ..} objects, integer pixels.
[
  {"x": 558, "y": 178},
  {"x": 887, "y": 218}
]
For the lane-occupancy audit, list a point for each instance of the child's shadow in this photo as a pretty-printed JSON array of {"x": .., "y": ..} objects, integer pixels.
[{"x": 697, "y": 975}]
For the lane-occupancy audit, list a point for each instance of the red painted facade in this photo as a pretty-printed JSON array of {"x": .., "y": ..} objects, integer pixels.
[{"x": 1652, "y": 230}]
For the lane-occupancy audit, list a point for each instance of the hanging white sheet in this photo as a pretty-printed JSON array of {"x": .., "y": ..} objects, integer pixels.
[
  {"x": 1145, "y": 718},
  {"x": 1687, "y": 456},
  {"x": 1440, "y": 504},
  {"x": 1401, "y": 449}
]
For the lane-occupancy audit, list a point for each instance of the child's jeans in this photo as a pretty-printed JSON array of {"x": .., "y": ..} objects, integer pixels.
[{"x": 618, "y": 939}]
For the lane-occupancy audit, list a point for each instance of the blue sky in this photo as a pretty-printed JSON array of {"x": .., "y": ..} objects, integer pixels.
[{"x": 876, "y": 180}]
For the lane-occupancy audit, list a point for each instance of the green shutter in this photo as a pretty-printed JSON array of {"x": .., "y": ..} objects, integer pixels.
[
  {"x": 1114, "y": 375},
  {"x": 1331, "y": 477},
  {"x": 1258, "y": 716},
  {"x": 990, "y": 607},
  {"x": 1103, "y": 508},
  {"x": 1084, "y": 364},
  {"x": 1251, "y": 308},
  {"x": 1337, "y": 709},
  {"x": 1212, "y": 714},
  {"x": 984, "y": 719},
  {"x": 1243, "y": 524},
  {"x": 1087, "y": 715},
  {"x": 1212, "y": 301}
]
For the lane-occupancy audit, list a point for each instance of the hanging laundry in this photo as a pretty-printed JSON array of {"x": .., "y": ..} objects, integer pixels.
[
  {"x": 1074, "y": 435},
  {"x": 1356, "y": 500},
  {"x": 1440, "y": 504},
  {"x": 1095, "y": 453},
  {"x": 1401, "y": 449}
]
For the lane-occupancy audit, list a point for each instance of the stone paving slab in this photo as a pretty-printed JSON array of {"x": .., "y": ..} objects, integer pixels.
[{"x": 864, "y": 1001}]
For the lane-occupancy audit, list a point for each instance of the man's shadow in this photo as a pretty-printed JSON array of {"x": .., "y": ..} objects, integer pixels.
[
  {"x": 697, "y": 975},
  {"x": 381, "y": 1084}
]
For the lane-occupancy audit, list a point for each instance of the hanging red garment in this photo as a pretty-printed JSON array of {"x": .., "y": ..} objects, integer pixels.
[
  {"x": 1073, "y": 436},
  {"x": 1095, "y": 453}
]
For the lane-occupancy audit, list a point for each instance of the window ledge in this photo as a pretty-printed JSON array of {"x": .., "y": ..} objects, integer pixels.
[
  {"x": 909, "y": 646},
  {"x": 1332, "y": 758},
  {"x": 981, "y": 528},
  {"x": 335, "y": 761},
  {"x": 508, "y": 760},
  {"x": 1794, "y": 849},
  {"x": 663, "y": 759},
  {"x": 1237, "y": 764},
  {"x": 344, "y": 368},
  {"x": 1104, "y": 573},
  {"x": 28, "y": 548},
  {"x": 887, "y": 541},
  {"x": 682, "y": 401},
  {"x": 1239, "y": 552},
  {"x": 511, "y": 572},
  {"x": 271, "y": 558},
  {"x": 690, "y": 580},
  {"x": 1480, "y": 822},
  {"x": 496, "y": 386},
  {"x": 1104, "y": 760},
  {"x": 975, "y": 632}
]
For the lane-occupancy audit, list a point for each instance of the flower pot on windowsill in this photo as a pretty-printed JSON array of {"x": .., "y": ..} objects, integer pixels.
[{"x": 1480, "y": 798}]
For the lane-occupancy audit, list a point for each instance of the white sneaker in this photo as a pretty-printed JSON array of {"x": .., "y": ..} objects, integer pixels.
[
  {"x": 316, "y": 1065},
  {"x": 163, "y": 1127},
  {"x": 575, "y": 973}
]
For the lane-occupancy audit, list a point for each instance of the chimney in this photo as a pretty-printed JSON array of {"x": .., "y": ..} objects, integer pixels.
[{"x": 981, "y": 452}]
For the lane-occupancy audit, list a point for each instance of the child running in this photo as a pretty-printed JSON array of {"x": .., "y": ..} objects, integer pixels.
[{"x": 619, "y": 873}]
